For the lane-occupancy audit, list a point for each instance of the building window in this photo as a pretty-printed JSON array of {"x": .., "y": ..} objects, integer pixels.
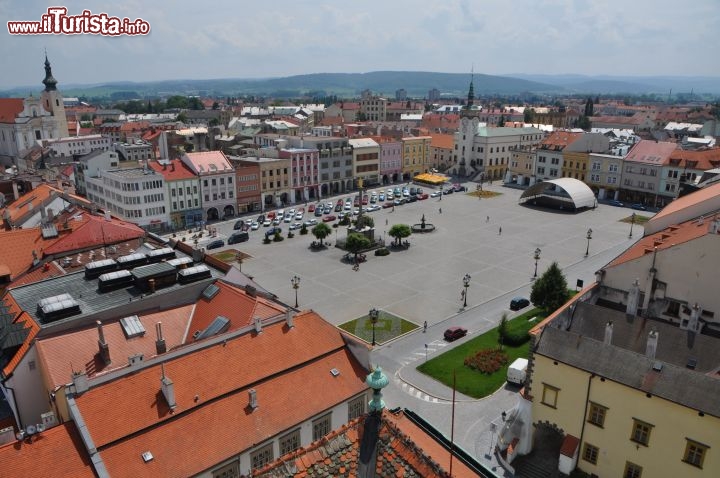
[
  {"x": 590, "y": 453},
  {"x": 231, "y": 470},
  {"x": 694, "y": 453},
  {"x": 321, "y": 426},
  {"x": 550, "y": 395},
  {"x": 290, "y": 442},
  {"x": 596, "y": 416},
  {"x": 356, "y": 407},
  {"x": 262, "y": 456},
  {"x": 641, "y": 432},
  {"x": 632, "y": 470}
]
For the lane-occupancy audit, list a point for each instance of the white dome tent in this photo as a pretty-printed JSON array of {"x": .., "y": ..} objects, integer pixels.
[{"x": 562, "y": 193}]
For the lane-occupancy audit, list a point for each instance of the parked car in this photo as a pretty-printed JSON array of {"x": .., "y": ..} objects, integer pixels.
[
  {"x": 413, "y": 191},
  {"x": 311, "y": 208},
  {"x": 272, "y": 231},
  {"x": 329, "y": 218},
  {"x": 288, "y": 218},
  {"x": 518, "y": 303},
  {"x": 419, "y": 191},
  {"x": 338, "y": 207},
  {"x": 411, "y": 198},
  {"x": 310, "y": 222},
  {"x": 261, "y": 218},
  {"x": 216, "y": 244},
  {"x": 423, "y": 196},
  {"x": 267, "y": 223},
  {"x": 448, "y": 191},
  {"x": 435, "y": 194},
  {"x": 639, "y": 207},
  {"x": 454, "y": 333},
  {"x": 255, "y": 226},
  {"x": 281, "y": 213},
  {"x": 319, "y": 211},
  {"x": 271, "y": 215},
  {"x": 459, "y": 187},
  {"x": 381, "y": 197},
  {"x": 387, "y": 205},
  {"x": 397, "y": 202},
  {"x": 299, "y": 216},
  {"x": 294, "y": 226},
  {"x": 241, "y": 236},
  {"x": 617, "y": 203},
  {"x": 239, "y": 225},
  {"x": 276, "y": 221}
]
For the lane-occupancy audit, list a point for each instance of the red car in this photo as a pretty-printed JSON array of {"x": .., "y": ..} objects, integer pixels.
[
  {"x": 329, "y": 218},
  {"x": 454, "y": 333},
  {"x": 311, "y": 208},
  {"x": 423, "y": 196},
  {"x": 365, "y": 200}
]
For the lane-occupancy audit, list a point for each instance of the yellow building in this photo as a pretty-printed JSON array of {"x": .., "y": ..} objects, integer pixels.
[
  {"x": 575, "y": 165},
  {"x": 415, "y": 155}
]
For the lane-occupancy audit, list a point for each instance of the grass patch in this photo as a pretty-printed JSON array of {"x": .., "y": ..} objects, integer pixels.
[
  {"x": 471, "y": 382},
  {"x": 388, "y": 327},
  {"x": 483, "y": 194},
  {"x": 638, "y": 219},
  {"x": 229, "y": 256}
]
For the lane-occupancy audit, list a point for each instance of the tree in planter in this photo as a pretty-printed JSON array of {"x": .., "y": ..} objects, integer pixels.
[
  {"x": 364, "y": 221},
  {"x": 303, "y": 230},
  {"x": 278, "y": 237},
  {"x": 400, "y": 232},
  {"x": 357, "y": 242},
  {"x": 321, "y": 231},
  {"x": 550, "y": 290}
]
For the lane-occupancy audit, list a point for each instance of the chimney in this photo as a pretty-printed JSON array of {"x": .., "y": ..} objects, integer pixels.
[
  {"x": 135, "y": 359},
  {"x": 160, "y": 347},
  {"x": 168, "y": 389},
  {"x": 694, "y": 323},
  {"x": 80, "y": 382},
  {"x": 252, "y": 395},
  {"x": 164, "y": 166},
  {"x": 633, "y": 298},
  {"x": 608, "y": 333},
  {"x": 172, "y": 166},
  {"x": 651, "y": 347},
  {"x": 107, "y": 215},
  {"x": 102, "y": 345},
  {"x": 289, "y": 316},
  {"x": 258, "y": 325},
  {"x": 151, "y": 284}
]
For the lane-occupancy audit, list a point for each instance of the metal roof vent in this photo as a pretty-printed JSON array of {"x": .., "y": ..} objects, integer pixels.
[
  {"x": 132, "y": 327},
  {"x": 147, "y": 456},
  {"x": 252, "y": 396},
  {"x": 692, "y": 363},
  {"x": 657, "y": 366},
  {"x": 210, "y": 291},
  {"x": 334, "y": 372}
]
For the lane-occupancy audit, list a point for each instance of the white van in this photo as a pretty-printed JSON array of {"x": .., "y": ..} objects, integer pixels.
[{"x": 517, "y": 371}]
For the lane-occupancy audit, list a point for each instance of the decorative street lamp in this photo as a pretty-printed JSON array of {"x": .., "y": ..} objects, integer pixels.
[
  {"x": 537, "y": 258},
  {"x": 295, "y": 281},
  {"x": 373, "y": 314},
  {"x": 632, "y": 223},
  {"x": 466, "y": 284},
  {"x": 589, "y": 236}
]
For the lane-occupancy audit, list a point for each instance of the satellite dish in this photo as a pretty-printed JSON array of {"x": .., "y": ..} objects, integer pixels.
[{"x": 31, "y": 429}]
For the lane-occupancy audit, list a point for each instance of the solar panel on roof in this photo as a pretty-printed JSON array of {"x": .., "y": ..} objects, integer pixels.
[
  {"x": 132, "y": 327},
  {"x": 56, "y": 298},
  {"x": 220, "y": 324}
]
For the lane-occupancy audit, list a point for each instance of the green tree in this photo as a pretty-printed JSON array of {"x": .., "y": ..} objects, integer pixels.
[
  {"x": 501, "y": 121},
  {"x": 321, "y": 231},
  {"x": 215, "y": 105},
  {"x": 364, "y": 221},
  {"x": 529, "y": 115},
  {"x": 357, "y": 242},
  {"x": 550, "y": 290},
  {"x": 502, "y": 329},
  {"x": 400, "y": 232},
  {"x": 177, "y": 101},
  {"x": 182, "y": 118}
]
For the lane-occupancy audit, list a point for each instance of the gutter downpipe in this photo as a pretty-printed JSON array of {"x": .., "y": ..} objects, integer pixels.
[{"x": 587, "y": 400}]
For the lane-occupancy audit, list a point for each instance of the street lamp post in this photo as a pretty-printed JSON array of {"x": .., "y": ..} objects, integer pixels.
[
  {"x": 589, "y": 236},
  {"x": 537, "y": 258},
  {"x": 374, "y": 314},
  {"x": 295, "y": 281},
  {"x": 466, "y": 284},
  {"x": 632, "y": 223}
]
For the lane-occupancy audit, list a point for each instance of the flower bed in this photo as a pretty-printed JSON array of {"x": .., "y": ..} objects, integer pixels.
[{"x": 487, "y": 361}]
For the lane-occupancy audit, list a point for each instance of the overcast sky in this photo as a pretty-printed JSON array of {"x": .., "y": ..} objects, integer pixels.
[{"x": 252, "y": 39}]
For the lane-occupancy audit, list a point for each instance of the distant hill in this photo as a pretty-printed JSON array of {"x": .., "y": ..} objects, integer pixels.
[
  {"x": 606, "y": 84},
  {"x": 347, "y": 85}
]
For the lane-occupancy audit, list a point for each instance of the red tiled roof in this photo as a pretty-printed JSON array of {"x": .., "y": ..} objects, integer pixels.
[
  {"x": 445, "y": 141},
  {"x": 695, "y": 198},
  {"x": 235, "y": 305},
  {"x": 288, "y": 368},
  {"x": 172, "y": 174},
  {"x": 33, "y": 199},
  {"x": 46, "y": 271},
  {"x": 697, "y": 160},
  {"x": 78, "y": 350},
  {"x": 651, "y": 152},
  {"x": 131, "y": 126},
  {"x": 560, "y": 138},
  {"x": 10, "y": 108},
  {"x": 569, "y": 446},
  {"x": 241, "y": 361},
  {"x": 207, "y": 158},
  {"x": 58, "y": 452},
  {"x": 17, "y": 249},
  {"x": 95, "y": 231}
]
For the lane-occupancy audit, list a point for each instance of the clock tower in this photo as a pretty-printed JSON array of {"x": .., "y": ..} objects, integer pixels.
[{"x": 52, "y": 102}]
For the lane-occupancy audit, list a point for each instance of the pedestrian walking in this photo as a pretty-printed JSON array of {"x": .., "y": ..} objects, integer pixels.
[
  {"x": 386, "y": 221},
  {"x": 500, "y": 231},
  {"x": 425, "y": 327},
  {"x": 440, "y": 210},
  {"x": 487, "y": 219}
]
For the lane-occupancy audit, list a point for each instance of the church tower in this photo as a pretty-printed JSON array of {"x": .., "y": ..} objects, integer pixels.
[
  {"x": 470, "y": 110},
  {"x": 52, "y": 101}
]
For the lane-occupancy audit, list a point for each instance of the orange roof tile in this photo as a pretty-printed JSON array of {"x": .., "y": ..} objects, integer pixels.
[
  {"x": 170, "y": 173},
  {"x": 10, "y": 108},
  {"x": 234, "y": 304},
  {"x": 78, "y": 350},
  {"x": 651, "y": 152},
  {"x": 203, "y": 161},
  {"x": 18, "y": 247},
  {"x": 57, "y": 452},
  {"x": 697, "y": 197},
  {"x": 560, "y": 138},
  {"x": 92, "y": 230},
  {"x": 445, "y": 141},
  {"x": 698, "y": 160},
  {"x": 239, "y": 362},
  {"x": 46, "y": 271}
]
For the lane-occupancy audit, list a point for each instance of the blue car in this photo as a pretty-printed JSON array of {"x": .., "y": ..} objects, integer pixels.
[
  {"x": 617, "y": 203},
  {"x": 639, "y": 207}
]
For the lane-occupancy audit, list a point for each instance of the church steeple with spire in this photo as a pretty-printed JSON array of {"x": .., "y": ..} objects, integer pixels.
[
  {"x": 471, "y": 91},
  {"x": 49, "y": 82},
  {"x": 470, "y": 110}
]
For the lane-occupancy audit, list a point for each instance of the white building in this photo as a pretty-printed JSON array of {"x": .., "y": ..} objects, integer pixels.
[
  {"x": 78, "y": 145},
  {"x": 136, "y": 151},
  {"x": 217, "y": 182},
  {"x": 136, "y": 195},
  {"x": 91, "y": 165}
]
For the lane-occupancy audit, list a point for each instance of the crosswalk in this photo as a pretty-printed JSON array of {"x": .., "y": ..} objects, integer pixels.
[{"x": 419, "y": 354}]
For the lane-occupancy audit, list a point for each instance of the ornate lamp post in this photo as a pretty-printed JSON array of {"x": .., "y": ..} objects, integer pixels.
[
  {"x": 632, "y": 223},
  {"x": 373, "y": 314},
  {"x": 537, "y": 258},
  {"x": 466, "y": 284},
  {"x": 589, "y": 236},
  {"x": 295, "y": 281}
]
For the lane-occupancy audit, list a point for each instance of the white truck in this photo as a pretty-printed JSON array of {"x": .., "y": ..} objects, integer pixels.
[{"x": 517, "y": 371}]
